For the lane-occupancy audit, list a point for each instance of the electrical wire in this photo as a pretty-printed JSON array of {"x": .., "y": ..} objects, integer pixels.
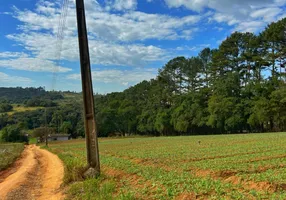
[{"x": 60, "y": 39}]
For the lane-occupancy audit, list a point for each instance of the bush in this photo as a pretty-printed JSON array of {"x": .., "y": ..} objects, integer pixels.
[
  {"x": 12, "y": 133},
  {"x": 5, "y": 107}
]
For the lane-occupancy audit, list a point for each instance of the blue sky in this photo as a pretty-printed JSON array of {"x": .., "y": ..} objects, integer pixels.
[{"x": 129, "y": 39}]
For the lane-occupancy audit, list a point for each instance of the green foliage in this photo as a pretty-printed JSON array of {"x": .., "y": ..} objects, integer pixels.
[
  {"x": 42, "y": 132},
  {"x": 5, "y": 107},
  {"x": 92, "y": 189},
  {"x": 21, "y": 95},
  {"x": 260, "y": 113},
  {"x": 162, "y": 123},
  {"x": 66, "y": 127},
  {"x": 4, "y": 118},
  {"x": 40, "y": 102},
  {"x": 66, "y": 118},
  {"x": 13, "y": 133}
]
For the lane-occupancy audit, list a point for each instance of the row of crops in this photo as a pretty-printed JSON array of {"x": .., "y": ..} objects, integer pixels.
[{"x": 242, "y": 166}]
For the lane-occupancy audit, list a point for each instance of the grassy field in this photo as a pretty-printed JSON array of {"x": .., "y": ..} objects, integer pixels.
[
  {"x": 9, "y": 153},
  {"x": 20, "y": 108},
  {"x": 199, "y": 167}
]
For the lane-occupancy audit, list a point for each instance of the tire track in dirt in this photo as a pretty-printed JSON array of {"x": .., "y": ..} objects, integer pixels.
[{"x": 39, "y": 176}]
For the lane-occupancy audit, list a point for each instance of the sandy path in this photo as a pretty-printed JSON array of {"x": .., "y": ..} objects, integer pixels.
[{"x": 39, "y": 176}]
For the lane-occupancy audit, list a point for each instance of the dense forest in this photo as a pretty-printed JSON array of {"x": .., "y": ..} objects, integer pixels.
[{"x": 238, "y": 87}]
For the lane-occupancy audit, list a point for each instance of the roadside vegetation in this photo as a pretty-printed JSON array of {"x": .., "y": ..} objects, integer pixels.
[
  {"x": 9, "y": 153},
  {"x": 246, "y": 166},
  {"x": 13, "y": 133}
]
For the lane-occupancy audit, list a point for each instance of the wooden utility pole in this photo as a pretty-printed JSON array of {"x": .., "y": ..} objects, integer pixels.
[{"x": 87, "y": 91}]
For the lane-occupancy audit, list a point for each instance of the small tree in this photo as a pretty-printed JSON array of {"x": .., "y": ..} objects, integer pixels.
[
  {"x": 66, "y": 127},
  {"x": 42, "y": 132}
]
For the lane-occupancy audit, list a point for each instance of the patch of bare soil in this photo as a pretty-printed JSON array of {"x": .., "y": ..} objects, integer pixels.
[
  {"x": 264, "y": 169},
  {"x": 37, "y": 175},
  {"x": 186, "y": 196},
  {"x": 134, "y": 180},
  {"x": 231, "y": 177}
]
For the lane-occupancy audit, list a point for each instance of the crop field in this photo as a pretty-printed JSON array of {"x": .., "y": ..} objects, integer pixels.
[
  {"x": 9, "y": 153},
  {"x": 246, "y": 166}
]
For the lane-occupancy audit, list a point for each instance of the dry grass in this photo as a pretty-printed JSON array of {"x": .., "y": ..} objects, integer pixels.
[{"x": 20, "y": 108}]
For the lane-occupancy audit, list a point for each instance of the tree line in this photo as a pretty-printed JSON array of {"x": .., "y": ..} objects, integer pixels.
[
  {"x": 32, "y": 97},
  {"x": 238, "y": 87}
]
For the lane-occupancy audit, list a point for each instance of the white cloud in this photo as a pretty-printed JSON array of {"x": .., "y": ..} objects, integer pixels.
[
  {"x": 46, "y": 7},
  {"x": 236, "y": 13},
  {"x": 196, "y": 5},
  {"x": 122, "y": 5},
  {"x": 127, "y": 55},
  {"x": 192, "y": 48},
  {"x": 114, "y": 39},
  {"x": 5, "y": 78},
  {"x": 104, "y": 53},
  {"x": 7, "y": 54},
  {"x": 123, "y": 77},
  {"x": 282, "y": 16},
  {"x": 130, "y": 26},
  {"x": 32, "y": 64},
  {"x": 220, "y": 17},
  {"x": 225, "y": 6},
  {"x": 268, "y": 14},
  {"x": 249, "y": 26}
]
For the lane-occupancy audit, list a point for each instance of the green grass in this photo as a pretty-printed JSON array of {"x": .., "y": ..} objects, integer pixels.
[
  {"x": 9, "y": 153},
  {"x": 241, "y": 166},
  {"x": 32, "y": 140}
]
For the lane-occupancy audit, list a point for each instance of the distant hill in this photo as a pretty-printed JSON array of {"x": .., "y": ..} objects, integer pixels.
[{"x": 22, "y": 95}]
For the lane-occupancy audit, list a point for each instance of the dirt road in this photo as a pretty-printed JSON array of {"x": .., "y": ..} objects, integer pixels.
[{"x": 37, "y": 175}]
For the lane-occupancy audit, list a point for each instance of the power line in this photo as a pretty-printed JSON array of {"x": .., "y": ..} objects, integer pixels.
[{"x": 60, "y": 38}]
